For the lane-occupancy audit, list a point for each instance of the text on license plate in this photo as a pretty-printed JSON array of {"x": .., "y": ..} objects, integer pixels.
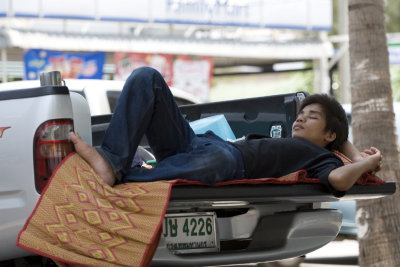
[{"x": 190, "y": 232}]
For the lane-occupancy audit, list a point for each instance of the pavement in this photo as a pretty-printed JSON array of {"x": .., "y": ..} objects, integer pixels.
[
  {"x": 325, "y": 265},
  {"x": 336, "y": 253}
]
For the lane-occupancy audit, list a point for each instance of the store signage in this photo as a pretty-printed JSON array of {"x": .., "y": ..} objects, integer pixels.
[
  {"x": 71, "y": 65},
  {"x": 297, "y": 14},
  {"x": 189, "y": 73}
]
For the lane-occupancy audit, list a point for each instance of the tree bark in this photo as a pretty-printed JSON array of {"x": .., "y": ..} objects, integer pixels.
[{"x": 373, "y": 125}]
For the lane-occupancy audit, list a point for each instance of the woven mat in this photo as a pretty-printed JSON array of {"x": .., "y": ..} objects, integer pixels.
[{"x": 81, "y": 220}]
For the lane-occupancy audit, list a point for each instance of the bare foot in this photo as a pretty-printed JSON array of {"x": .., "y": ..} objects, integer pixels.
[{"x": 94, "y": 158}]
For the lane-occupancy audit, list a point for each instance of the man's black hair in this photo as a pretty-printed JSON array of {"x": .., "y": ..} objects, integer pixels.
[{"x": 336, "y": 120}]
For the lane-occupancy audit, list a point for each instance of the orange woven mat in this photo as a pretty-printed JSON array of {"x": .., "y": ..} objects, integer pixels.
[{"x": 80, "y": 220}]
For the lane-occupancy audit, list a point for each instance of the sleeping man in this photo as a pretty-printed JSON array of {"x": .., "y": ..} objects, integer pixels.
[{"x": 146, "y": 107}]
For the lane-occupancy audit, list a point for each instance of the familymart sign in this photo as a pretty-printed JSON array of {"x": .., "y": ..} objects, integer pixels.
[{"x": 295, "y": 14}]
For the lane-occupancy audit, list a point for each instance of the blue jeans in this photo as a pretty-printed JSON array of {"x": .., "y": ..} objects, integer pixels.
[{"x": 146, "y": 107}]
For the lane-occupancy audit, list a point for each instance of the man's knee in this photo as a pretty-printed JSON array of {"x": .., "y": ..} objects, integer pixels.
[
  {"x": 143, "y": 72},
  {"x": 144, "y": 79}
]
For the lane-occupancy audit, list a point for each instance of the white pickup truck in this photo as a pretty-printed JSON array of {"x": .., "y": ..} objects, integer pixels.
[{"x": 254, "y": 223}]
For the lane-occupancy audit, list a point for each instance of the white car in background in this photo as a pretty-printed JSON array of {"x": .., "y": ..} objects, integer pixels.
[{"x": 101, "y": 95}]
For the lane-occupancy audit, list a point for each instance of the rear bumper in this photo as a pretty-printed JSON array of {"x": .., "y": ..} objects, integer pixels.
[{"x": 275, "y": 237}]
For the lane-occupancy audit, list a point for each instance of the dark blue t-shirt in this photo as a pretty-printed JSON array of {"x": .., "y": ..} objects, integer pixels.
[{"x": 275, "y": 157}]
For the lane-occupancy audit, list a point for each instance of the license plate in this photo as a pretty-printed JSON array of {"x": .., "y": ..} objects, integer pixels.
[{"x": 190, "y": 232}]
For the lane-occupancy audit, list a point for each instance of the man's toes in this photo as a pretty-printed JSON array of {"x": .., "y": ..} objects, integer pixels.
[{"x": 74, "y": 137}]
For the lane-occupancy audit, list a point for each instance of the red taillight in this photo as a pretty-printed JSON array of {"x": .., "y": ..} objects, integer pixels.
[{"x": 51, "y": 146}]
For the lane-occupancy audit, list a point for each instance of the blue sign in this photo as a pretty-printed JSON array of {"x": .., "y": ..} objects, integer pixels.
[{"x": 71, "y": 65}]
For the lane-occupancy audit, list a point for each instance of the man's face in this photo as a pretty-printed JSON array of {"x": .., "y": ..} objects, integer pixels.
[{"x": 310, "y": 124}]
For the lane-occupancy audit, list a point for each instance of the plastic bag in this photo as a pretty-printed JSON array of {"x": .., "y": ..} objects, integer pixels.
[{"x": 217, "y": 123}]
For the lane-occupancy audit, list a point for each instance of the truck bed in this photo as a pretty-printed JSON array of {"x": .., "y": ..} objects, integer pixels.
[{"x": 257, "y": 116}]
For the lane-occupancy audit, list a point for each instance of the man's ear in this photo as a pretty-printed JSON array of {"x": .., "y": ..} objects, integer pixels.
[{"x": 330, "y": 136}]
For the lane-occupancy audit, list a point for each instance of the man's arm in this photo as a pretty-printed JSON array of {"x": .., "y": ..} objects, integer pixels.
[
  {"x": 343, "y": 178},
  {"x": 350, "y": 151}
]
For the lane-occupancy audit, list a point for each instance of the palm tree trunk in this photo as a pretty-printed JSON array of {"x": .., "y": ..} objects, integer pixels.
[{"x": 373, "y": 125}]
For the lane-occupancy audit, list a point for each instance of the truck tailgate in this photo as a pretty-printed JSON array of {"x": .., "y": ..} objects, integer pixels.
[{"x": 301, "y": 193}]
